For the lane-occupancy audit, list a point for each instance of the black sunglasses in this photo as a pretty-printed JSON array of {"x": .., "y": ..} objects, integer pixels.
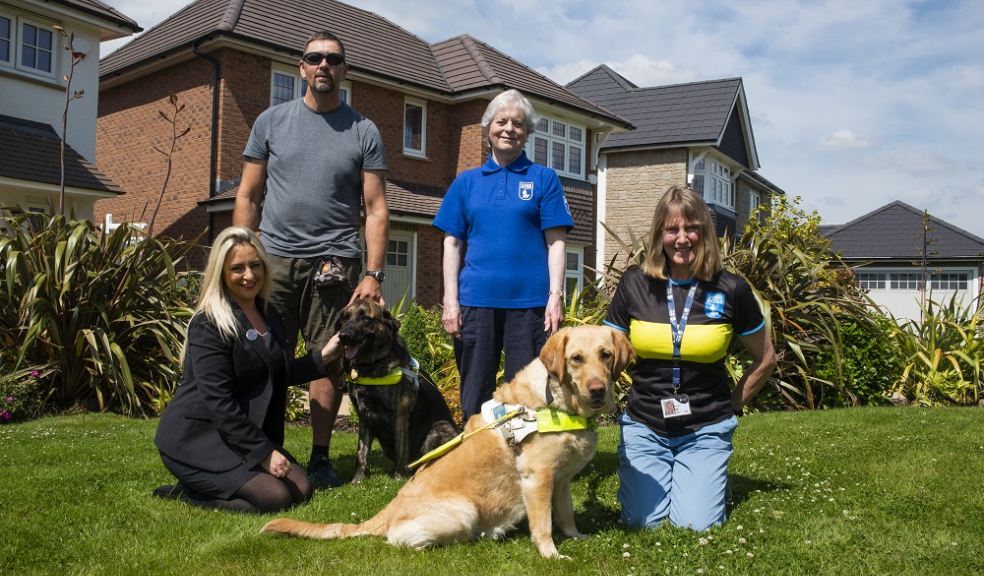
[{"x": 315, "y": 58}]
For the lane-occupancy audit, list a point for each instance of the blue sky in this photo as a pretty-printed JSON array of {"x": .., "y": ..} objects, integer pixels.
[{"x": 854, "y": 104}]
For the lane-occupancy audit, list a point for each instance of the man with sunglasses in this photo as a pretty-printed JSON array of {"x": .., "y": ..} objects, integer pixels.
[{"x": 310, "y": 165}]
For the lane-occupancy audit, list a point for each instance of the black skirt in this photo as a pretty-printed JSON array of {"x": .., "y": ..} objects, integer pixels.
[{"x": 216, "y": 484}]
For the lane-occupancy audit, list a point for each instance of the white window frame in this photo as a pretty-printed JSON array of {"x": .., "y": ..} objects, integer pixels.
[
  {"x": 407, "y": 149},
  {"x": 905, "y": 280},
  {"x": 408, "y": 254},
  {"x": 950, "y": 277},
  {"x": 754, "y": 200},
  {"x": 15, "y": 53},
  {"x": 872, "y": 280},
  {"x": 55, "y": 45},
  {"x": 577, "y": 251},
  {"x": 12, "y": 50},
  {"x": 299, "y": 84},
  {"x": 555, "y": 133},
  {"x": 713, "y": 178}
]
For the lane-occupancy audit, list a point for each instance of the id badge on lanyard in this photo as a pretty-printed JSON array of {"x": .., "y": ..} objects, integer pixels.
[{"x": 678, "y": 404}]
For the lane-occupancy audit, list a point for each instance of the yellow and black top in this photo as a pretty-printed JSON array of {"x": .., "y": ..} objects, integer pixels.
[{"x": 721, "y": 308}]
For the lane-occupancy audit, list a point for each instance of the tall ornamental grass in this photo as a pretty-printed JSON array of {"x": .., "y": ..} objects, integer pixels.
[
  {"x": 941, "y": 355},
  {"x": 90, "y": 319},
  {"x": 809, "y": 295}
]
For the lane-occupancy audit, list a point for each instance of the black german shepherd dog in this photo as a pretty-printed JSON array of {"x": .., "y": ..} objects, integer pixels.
[{"x": 409, "y": 417}]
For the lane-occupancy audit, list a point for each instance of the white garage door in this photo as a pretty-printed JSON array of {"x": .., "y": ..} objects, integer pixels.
[{"x": 898, "y": 290}]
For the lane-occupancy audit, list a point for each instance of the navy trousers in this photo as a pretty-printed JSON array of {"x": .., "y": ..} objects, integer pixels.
[{"x": 485, "y": 334}]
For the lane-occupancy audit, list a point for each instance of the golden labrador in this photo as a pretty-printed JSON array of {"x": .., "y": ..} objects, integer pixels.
[{"x": 486, "y": 486}]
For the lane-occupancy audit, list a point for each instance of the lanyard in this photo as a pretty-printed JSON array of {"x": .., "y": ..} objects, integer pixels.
[{"x": 677, "y": 329}]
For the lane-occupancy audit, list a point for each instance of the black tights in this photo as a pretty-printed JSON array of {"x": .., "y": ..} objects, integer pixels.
[{"x": 262, "y": 494}]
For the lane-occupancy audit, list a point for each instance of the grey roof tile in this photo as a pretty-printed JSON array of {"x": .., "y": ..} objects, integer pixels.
[
  {"x": 31, "y": 151},
  {"x": 894, "y": 231},
  {"x": 471, "y": 64},
  {"x": 681, "y": 113}
]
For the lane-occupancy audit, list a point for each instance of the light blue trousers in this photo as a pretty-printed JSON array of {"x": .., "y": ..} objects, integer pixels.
[{"x": 684, "y": 478}]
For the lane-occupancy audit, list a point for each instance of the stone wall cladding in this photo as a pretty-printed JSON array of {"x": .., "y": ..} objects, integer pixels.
[{"x": 635, "y": 182}]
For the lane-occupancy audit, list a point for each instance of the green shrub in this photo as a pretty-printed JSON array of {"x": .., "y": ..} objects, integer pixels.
[
  {"x": 22, "y": 392},
  {"x": 869, "y": 366},
  {"x": 431, "y": 346},
  {"x": 942, "y": 355},
  {"x": 809, "y": 294},
  {"x": 102, "y": 315}
]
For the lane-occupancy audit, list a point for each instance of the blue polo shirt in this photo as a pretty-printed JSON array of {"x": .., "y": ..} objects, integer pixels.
[{"x": 501, "y": 213}]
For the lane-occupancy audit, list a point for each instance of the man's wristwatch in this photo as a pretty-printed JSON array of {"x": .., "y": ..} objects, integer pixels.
[{"x": 379, "y": 275}]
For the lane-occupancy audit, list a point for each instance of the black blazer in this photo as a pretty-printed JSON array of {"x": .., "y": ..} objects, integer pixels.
[{"x": 230, "y": 407}]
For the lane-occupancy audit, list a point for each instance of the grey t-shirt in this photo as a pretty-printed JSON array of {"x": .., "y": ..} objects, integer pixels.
[{"x": 314, "y": 177}]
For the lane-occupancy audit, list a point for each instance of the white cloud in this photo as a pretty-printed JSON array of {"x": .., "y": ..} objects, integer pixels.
[
  {"x": 639, "y": 69},
  {"x": 842, "y": 140}
]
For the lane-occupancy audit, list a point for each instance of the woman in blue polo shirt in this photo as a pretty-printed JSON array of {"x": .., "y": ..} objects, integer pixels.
[
  {"x": 505, "y": 224},
  {"x": 681, "y": 310}
]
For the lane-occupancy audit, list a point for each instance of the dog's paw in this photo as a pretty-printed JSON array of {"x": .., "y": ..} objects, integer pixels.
[
  {"x": 549, "y": 550},
  {"x": 575, "y": 535}
]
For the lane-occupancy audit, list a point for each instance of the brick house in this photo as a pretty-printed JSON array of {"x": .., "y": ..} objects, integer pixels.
[
  {"x": 228, "y": 60},
  {"x": 33, "y": 64},
  {"x": 698, "y": 134}
]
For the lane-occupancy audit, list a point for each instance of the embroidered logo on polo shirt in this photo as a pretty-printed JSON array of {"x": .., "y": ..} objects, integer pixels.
[
  {"x": 714, "y": 305},
  {"x": 525, "y": 190}
]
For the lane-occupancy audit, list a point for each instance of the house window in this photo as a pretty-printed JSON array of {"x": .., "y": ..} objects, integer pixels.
[
  {"x": 950, "y": 281},
  {"x": 286, "y": 84},
  {"x": 27, "y": 46},
  {"x": 871, "y": 280},
  {"x": 283, "y": 88},
  {"x": 906, "y": 281},
  {"x": 36, "y": 46},
  {"x": 712, "y": 179},
  {"x": 574, "y": 270},
  {"x": 558, "y": 144},
  {"x": 398, "y": 253},
  {"x": 415, "y": 127},
  {"x": 754, "y": 201},
  {"x": 6, "y": 36}
]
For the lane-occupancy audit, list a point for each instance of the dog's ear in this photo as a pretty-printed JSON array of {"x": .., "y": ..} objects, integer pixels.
[
  {"x": 624, "y": 354},
  {"x": 391, "y": 321},
  {"x": 552, "y": 354}
]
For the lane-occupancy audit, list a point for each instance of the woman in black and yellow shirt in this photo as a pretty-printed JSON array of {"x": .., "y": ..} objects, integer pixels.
[{"x": 680, "y": 310}]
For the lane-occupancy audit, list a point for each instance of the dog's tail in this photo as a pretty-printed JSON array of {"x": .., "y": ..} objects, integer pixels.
[{"x": 371, "y": 527}]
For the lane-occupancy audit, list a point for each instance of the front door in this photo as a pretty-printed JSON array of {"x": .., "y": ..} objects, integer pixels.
[{"x": 400, "y": 268}]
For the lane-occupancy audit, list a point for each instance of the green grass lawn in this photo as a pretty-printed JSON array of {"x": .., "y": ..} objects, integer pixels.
[{"x": 862, "y": 491}]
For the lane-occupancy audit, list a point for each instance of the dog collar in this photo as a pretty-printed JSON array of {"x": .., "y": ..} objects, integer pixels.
[{"x": 393, "y": 377}]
